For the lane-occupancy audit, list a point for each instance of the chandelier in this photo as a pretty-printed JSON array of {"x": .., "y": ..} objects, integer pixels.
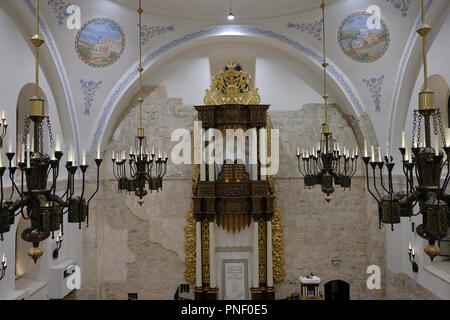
[
  {"x": 422, "y": 167},
  {"x": 327, "y": 165},
  {"x": 35, "y": 201},
  {"x": 141, "y": 168}
]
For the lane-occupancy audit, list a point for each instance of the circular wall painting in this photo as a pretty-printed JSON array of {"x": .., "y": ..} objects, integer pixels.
[
  {"x": 100, "y": 42},
  {"x": 362, "y": 39}
]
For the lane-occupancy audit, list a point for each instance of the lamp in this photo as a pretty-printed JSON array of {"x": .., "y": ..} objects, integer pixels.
[
  {"x": 412, "y": 256},
  {"x": 422, "y": 167},
  {"x": 3, "y": 267},
  {"x": 326, "y": 165},
  {"x": 230, "y": 16},
  {"x": 35, "y": 201},
  {"x": 58, "y": 246},
  {"x": 143, "y": 168}
]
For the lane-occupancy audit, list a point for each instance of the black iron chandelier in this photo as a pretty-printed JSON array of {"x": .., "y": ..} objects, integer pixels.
[
  {"x": 35, "y": 201},
  {"x": 141, "y": 168},
  {"x": 326, "y": 165},
  {"x": 422, "y": 167}
]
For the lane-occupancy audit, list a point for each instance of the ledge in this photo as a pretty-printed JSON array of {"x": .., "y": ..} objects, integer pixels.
[
  {"x": 31, "y": 286},
  {"x": 440, "y": 270}
]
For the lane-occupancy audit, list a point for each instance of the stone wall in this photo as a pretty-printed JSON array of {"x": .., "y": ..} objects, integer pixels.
[{"x": 128, "y": 248}]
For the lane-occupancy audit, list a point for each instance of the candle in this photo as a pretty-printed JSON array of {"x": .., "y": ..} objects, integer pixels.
[
  {"x": 3, "y": 115},
  {"x": 113, "y": 155},
  {"x": 23, "y": 152},
  {"x": 32, "y": 144},
  {"x": 410, "y": 155},
  {"x": 365, "y": 148},
  {"x": 70, "y": 155},
  {"x": 58, "y": 143},
  {"x": 28, "y": 142},
  {"x": 28, "y": 158},
  {"x": 415, "y": 140},
  {"x": 124, "y": 157},
  {"x": 356, "y": 152},
  {"x": 84, "y": 157},
  {"x": 53, "y": 153},
  {"x": 387, "y": 150},
  {"x": 298, "y": 151},
  {"x": 10, "y": 144},
  {"x": 413, "y": 252},
  {"x": 1, "y": 161},
  {"x": 447, "y": 137},
  {"x": 379, "y": 154},
  {"x": 373, "y": 154},
  {"x": 406, "y": 155},
  {"x": 403, "y": 139},
  {"x": 98, "y": 151},
  {"x": 436, "y": 144},
  {"x": 409, "y": 246},
  {"x": 153, "y": 151}
]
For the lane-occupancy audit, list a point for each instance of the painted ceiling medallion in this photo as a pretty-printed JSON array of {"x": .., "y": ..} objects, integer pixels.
[
  {"x": 362, "y": 41},
  {"x": 100, "y": 42}
]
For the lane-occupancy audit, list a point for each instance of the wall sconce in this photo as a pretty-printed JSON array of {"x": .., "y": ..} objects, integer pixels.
[
  {"x": 58, "y": 246},
  {"x": 4, "y": 266},
  {"x": 412, "y": 256}
]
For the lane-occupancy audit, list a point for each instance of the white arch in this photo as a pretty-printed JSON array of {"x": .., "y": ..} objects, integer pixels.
[{"x": 119, "y": 94}]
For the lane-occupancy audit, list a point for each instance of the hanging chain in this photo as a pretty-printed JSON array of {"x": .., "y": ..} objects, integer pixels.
[
  {"x": 435, "y": 124},
  {"x": 50, "y": 133},
  {"x": 419, "y": 129},
  {"x": 26, "y": 131},
  {"x": 414, "y": 128},
  {"x": 440, "y": 127},
  {"x": 41, "y": 137}
]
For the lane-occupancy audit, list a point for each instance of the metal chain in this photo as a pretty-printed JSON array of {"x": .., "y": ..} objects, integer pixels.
[
  {"x": 435, "y": 124},
  {"x": 50, "y": 133},
  {"x": 26, "y": 131},
  {"x": 419, "y": 129},
  {"x": 414, "y": 128},
  {"x": 440, "y": 127},
  {"x": 41, "y": 137}
]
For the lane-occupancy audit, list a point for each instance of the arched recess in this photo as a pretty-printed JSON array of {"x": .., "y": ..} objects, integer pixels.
[
  {"x": 22, "y": 13},
  {"x": 127, "y": 85},
  {"x": 410, "y": 67}
]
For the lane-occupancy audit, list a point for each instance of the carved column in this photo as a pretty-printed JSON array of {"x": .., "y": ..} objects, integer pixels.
[
  {"x": 256, "y": 292},
  {"x": 270, "y": 289},
  {"x": 213, "y": 290}
]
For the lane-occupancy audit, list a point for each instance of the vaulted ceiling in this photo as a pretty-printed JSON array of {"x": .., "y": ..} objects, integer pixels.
[{"x": 217, "y": 9}]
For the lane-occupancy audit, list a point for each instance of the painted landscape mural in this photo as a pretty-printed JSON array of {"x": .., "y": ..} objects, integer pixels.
[
  {"x": 363, "y": 41},
  {"x": 100, "y": 42}
]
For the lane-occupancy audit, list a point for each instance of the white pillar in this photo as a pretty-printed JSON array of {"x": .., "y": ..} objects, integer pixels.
[
  {"x": 269, "y": 255},
  {"x": 198, "y": 256},
  {"x": 255, "y": 255},
  {"x": 212, "y": 257},
  {"x": 254, "y": 154},
  {"x": 211, "y": 176},
  {"x": 263, "y": 152},
  {"x": 202, "y": 161}
]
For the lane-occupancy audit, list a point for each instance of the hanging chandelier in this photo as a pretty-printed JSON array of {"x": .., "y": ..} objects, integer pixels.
[
  {"x": 141, "y": 168},
  {"x": 35, "y": 201},
  {"x": 326, "y": 165},
  {"x": 422, "y": 167}
]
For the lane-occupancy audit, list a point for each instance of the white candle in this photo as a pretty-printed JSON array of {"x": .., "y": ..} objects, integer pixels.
[
  {"x": 58, "y": 143},
  {"x": 23, "y": 152},
  {"x": 28, "y": 158},
  {"x": 124, "y": 157},
  {"x": 406, "y": 155},
  {"x": 98, "y": 151},
  {"x": 413, "y": 252},
  {"x": 379, "y": 154},
  {"x": 409, "y": 246},
  {"x": 28, "y": 142},
  {"x": 70, "y": 155},
  {"x": 53, "y": 153},
  {"x": 153, "y": 150},
  {"x": 356, "y": 151},
  {"x": 403, "y": 139},
  {"x": 387, "y": 150},
  {"x": 32, "y": 144},
  {"x": 1, "y": 160},
  {"x": 447, "y": 137},
  {"x": 113, "y": 155},
  {"x": 373, "y": 154},
  {"x": 10, "y": 147},
  {"x": 298, "y": 151},
  {"x": 415, "y": 140},
  {"x": 410, "y": 155},
  {"x": 365, "y": 148},
  {"x": 84, "y": 157},
  {"x": 436, "y": 144},
  {"x": 74, "y": 156}
]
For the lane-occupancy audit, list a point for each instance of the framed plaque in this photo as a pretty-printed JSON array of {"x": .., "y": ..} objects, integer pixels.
[{"x": 235, "y": 279}]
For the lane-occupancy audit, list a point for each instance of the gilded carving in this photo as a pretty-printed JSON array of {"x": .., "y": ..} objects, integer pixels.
[
  {"x": 278, "y": 246},
  {"x": 205, "y": 250},
  {"x": 189, "y": 246},
  {"x": 232, "y": 86},
  {"x": 262, "y": 250}
]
